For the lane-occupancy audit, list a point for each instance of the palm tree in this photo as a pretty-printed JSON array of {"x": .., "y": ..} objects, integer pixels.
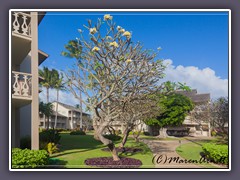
[
  {"x": 49, "y": 80},
  {"x": 59, "y": 86},
  {"x": 74, "y": 50},
  {"x": 46, "y": 109}
]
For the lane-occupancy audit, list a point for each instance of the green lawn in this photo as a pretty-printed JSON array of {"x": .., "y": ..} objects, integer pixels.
[
  {"x": 192, "y": 150},
  {"x": 76, "y": 149}
]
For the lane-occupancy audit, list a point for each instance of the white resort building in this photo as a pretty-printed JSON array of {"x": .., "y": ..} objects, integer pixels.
[
  {"x": 68, "y": 117},
  {"x": 25, "y": 59}
]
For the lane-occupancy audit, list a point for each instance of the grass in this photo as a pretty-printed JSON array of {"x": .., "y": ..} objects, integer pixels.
[
  {"x": 193, "y": 150},
  {"x": 75, "y": 149}
]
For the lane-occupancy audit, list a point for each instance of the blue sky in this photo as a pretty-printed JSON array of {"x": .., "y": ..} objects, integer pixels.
[{"x": 191, "y": 41}]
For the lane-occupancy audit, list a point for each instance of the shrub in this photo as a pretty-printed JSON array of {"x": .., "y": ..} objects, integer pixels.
[
  {"x": 77, "y": 132},
  {"x": 213, "y": 133},
  {"x": 25, "y": 142},
  {"x": 117, "y": 132},
  {"x": 51, "y": 148},
  {"x": 217, "y": 153},
  {"x": 112, "y": 137},
  {"x": 27, "y": 158},
  {"x": 146, "y": 133},
  {"x": 50, "y": 135},
  {"x": 135, "y": 132}
]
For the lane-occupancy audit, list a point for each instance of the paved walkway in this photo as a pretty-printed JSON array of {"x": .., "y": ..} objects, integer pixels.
[{"x": 165, "y": 155}]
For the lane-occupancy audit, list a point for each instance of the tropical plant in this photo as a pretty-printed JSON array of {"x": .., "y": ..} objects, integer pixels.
[
  {"x": 174, "y": 108},
  {"x": 46, "y": 109},
  {"x": 27, "y": 158},
  {"x": 59, "y": 86},
  {"x": 49, "y": 80}
]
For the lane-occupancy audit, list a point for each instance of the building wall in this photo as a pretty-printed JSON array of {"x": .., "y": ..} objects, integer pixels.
[
  {"x": 25, "y": 120},
  {"x": 25, "y": 66}
]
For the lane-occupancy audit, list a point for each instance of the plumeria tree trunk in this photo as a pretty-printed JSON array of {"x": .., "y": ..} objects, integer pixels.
[
  {"x": 137, "y": 133},
  {"x": 125, "y": 137},
  {"x": 99, "y": 136}
]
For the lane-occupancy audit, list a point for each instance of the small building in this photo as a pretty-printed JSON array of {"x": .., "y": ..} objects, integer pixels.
[{"x": 190, "y": 126}]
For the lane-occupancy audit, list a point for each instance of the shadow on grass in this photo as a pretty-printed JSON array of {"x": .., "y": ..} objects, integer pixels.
[
  {"x": 71, "y": 142},
  {"x": 68, "y": 153}
]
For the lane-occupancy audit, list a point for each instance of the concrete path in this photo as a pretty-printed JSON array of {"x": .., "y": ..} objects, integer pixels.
[{"x": 165, "y": 155}]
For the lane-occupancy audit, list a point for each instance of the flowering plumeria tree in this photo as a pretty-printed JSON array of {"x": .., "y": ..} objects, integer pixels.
[{"x": 111, "y": 72}]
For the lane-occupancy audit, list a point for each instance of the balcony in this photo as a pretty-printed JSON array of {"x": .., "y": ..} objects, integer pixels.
[
  {"x": 21, "y": 88},
  {"x": 21, "y": 36},
  {"x": 21, "y": 24}
]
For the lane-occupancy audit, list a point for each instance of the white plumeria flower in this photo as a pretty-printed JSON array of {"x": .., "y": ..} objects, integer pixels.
[
  {"x": 127, "y": 34},
  {"x": 115, "y": 44},
  {"x": 107, "y": 17},
  {"x": 128, "y": 60},
  {"x": 119, "y": 28},
  {"x": 92, "y": 30},
  {"x": 95, "y": 49}
]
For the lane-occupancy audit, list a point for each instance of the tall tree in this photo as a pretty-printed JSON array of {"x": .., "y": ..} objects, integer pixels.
[
  {"x": 220, "y": 113},
  {"x": 173, "y": 110},
  {"x": 111, "y": 71},
  {"x": 74, "y": 50},
  {"x": 59, "y": 86},
  {"x": 49, "y": 80},
  {"x": 46, "y": 109}
]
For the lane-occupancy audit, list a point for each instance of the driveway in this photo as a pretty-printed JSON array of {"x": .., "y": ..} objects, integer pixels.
[{"x": 165, "y": 155}]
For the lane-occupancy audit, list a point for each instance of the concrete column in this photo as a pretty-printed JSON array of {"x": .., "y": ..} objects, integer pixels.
[{"x": 34, "y": 72}]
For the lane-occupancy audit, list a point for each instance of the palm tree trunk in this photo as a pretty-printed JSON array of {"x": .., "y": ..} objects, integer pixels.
[
  {"x": 56, "y": 115},
  {"x": 47, "y": 102}
]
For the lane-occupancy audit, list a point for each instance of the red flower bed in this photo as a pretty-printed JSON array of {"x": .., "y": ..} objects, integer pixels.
[{"x": 107, "y": 162}]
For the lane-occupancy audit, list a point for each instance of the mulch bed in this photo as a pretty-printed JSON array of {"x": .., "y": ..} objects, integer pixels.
[
  {"x": 107, "y": 162},
  {"x": 125, "y": 150}
]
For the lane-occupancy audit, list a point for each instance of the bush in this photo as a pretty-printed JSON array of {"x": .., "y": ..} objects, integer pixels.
[
  {"x": 25, "y": 142},
  {"x": 112, "y": 137},
  {"x": 135, "y": 132},
  {"x": 51, "y": 148},
  {"x": 27, "y": 158},
  {"x": 117, "y": 132},
  {"x": 213, "y": 133},
  {"x": 217, "y": 153},
  {"x": 50, "y": 135},
  {"x": 146, "y": 133},
  {"x": 77, "y": 132}
]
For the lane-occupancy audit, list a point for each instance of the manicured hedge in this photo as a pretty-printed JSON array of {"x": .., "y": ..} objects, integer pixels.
[
  {"x": 216, "y": 152},
  {"x": 77, "y": 132},
  {"x": 27, "y": 158}
]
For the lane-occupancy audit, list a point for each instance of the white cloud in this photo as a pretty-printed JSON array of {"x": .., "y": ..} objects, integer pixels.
[{"x": 204, "y": 80}]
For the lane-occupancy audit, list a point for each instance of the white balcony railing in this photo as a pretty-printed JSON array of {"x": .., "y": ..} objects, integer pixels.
[
  {"x": 22, "y": 84},
  {"x": 21, "y": 23}
]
